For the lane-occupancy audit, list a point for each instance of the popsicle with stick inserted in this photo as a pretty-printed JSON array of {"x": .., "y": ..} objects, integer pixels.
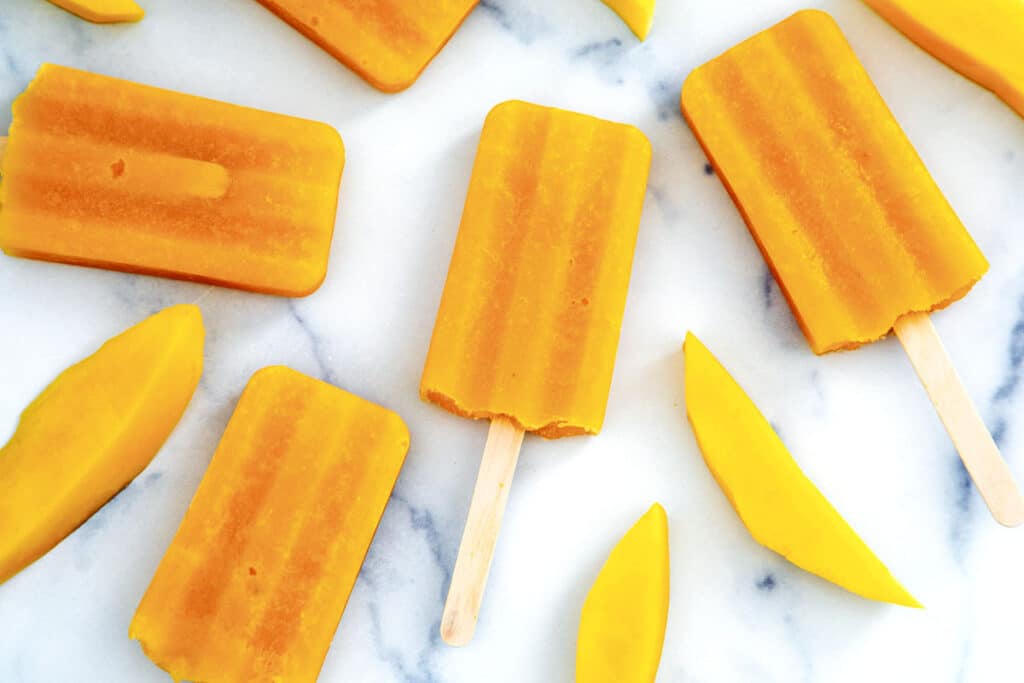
[
  {"x": 529, "y": 320},
  {"x": 855, "y": 230}
]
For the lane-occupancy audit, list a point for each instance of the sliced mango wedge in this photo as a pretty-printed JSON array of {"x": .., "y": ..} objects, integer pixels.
[
  {"x": 92, "y": 430},
  {"x": 622, "y": 628},
  {"x": 638, "y": 14},
  {"x": 103, "y": 11},
  {"x": 780, "y": 506},
  {"x": 984, "y": 41}
]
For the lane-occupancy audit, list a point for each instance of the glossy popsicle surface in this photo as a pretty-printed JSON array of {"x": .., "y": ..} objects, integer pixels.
[
  {"x": 529, "y": 320},
  {"x": 108, "y": 173},
  {"x": 848, "y": 218},
  {"x": 258, "y": 575},
  {"x": 387, "y": 42}
]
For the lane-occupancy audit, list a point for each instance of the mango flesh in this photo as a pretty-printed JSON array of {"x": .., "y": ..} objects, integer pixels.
[
  {"x": 638, "y": 14},
  {"x": 779, "y": 505},
  {"x": 103, "y": 11},
  {"x": 93, "y": 430},
  {"x": 256, "y": 580},
  {"x": 622, "y": 627},
  {"x": 981, "y": 40}
]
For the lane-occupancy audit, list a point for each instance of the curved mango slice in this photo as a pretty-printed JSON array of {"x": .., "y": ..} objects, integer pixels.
[
  {"x": 622, "y": 627},
  {"x": 779, "y": 505},
  {"x": 984, "y": 41},
  {"x": 638, "y": 14},
  {"x": 92, "y": 430},
  {"x": 103, "y": 11}
]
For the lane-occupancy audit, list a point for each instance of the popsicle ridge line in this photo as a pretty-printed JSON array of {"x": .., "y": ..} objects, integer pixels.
[
  {"x": 267, "y": 630},
  {"x": 504, "y": 304},
  {"x": 725, "y": 77},
  {"x": 297, "y": 585},
  {"x": 896, "y": 209},
  {"x": 202, "y": 595},
  {"x": 602, "y": 206}
]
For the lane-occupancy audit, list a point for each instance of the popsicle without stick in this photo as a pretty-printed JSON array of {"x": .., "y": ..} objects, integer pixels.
[
  {"x": 855, "y": 230},
  {"x": 529, "y": 320},
  {"x": 102, "y": 172}
]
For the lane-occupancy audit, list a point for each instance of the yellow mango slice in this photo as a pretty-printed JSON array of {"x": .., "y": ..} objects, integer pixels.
[
  {"x": 103, "y": 11},
  {"x": 622, "y": 627},
  {"x": 93, "y": 430},
  {"x": 638, "y": 14},
  {"x": 779, "y": 505},
  {"x": 984, "y": 41}
]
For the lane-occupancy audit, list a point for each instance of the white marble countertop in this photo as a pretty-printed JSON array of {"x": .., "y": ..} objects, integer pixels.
[{"x": 858, "y": 422}]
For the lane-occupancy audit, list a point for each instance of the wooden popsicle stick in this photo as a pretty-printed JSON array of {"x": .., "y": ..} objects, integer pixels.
[
  {"x": 480, "y": 536},
  {"x": 973, "y": 442}
]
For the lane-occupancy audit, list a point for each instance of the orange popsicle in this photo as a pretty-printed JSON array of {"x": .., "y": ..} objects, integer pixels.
[
  {"x": 858, "y": 235},
  {"x": 257, "y": 577},
  {"x": 529, "y": 320},
  {"x": 387, "y": 42},
  {"x": 103, "y": 172}
]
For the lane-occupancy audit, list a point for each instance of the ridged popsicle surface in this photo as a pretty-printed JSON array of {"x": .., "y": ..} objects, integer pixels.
[
  {"x": 387, "y": 42},
  {"x": 847, "y": 216},
  {"x": 104, "y": 172},
  {"x": 529, "y": 320},
  {"x": 259, "y": 572}
]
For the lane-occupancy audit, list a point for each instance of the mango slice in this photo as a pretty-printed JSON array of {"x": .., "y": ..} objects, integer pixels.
[
  {"x": 622, "y": 628},
  {"x": 103, "y": 11},
  {"x": 779, "y": 505},
  {"x": 984, "y": 41},
  {"x": 638, "y": 14},
  {"x": 93, "y": 430}
]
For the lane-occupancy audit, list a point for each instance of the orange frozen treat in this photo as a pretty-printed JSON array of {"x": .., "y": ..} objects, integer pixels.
[
  {"x": 848, "y": 218},
  {"x": 107, "y": 173},
  {"x": 257, "y": 577},
  {"x": 529, "y": 320},
  {"x": 858, "y": 235},
  {"x": 387, "y": 42},
  {"x": 982, "y": 39}
]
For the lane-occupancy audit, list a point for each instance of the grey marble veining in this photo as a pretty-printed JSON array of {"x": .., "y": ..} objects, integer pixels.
[{"x": 858, "y": 423}]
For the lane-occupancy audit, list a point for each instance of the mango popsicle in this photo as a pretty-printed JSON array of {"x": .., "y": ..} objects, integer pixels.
[
  {"x": 103, "y": 172},
  {"x": 529, "y": 320},
  {"x": 255, "y": 582},
  {"x": 387, "y": 42},
  {"x": 856, "y": 232},
  {"x": 984, "y": 41}
]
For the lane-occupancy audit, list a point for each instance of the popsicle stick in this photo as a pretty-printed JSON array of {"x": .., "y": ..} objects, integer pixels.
[
  {"x": 973, "y": 442},
  {"x": 3, "y": 145},
  {"x": 481, "y": 533}
]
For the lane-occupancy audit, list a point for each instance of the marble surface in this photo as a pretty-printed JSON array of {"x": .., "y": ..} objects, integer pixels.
[{"x": 858, "y": 423}]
